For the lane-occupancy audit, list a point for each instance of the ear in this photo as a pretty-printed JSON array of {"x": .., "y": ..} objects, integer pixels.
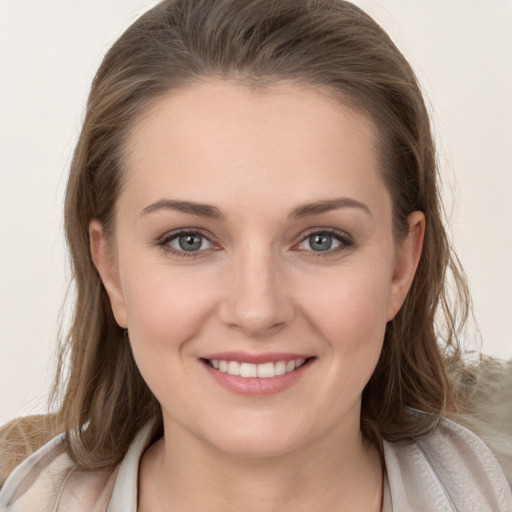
[
  {"x": 105, "y": 262},
  {"x": 406, "y": 262}
]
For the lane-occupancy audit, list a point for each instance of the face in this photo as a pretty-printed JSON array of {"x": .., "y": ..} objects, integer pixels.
[{"x": 253, "y": 264}]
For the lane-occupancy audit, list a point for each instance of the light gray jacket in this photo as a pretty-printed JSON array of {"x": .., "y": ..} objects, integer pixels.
[{"x": 450, "y": 471}]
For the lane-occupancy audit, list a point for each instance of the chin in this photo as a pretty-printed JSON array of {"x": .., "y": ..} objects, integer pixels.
[{"x": 256, "y": 440}]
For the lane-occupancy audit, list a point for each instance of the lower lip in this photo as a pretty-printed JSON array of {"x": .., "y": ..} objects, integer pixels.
[{"x": 255, "y": 386}]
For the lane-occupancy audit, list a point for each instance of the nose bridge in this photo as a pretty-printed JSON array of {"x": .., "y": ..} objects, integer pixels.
[{"x": 257, "y": 299}]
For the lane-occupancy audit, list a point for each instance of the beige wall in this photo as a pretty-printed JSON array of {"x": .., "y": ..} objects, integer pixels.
[{"x": 49, "y": 50}]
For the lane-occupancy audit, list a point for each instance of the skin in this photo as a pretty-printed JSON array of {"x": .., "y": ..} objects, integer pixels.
[{"x": 256, "y": 286}]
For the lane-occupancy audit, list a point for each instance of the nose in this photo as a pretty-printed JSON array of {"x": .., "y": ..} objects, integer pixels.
[{"x": 256, "y": 301}]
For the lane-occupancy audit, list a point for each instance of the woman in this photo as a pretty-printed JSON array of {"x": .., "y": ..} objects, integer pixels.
[{"x": 259, "y": 253}]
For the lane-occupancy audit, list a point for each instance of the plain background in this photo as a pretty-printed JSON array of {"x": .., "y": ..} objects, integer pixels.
[{"x": 49, "y": 51}]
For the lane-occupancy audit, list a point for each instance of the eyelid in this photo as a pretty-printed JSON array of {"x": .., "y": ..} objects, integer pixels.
[
  {"x": 163, "y": 242},
  {"x": 346, "y": 241}
]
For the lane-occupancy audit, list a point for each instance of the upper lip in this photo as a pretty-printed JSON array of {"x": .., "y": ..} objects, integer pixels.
[{"x": 245, "y": 357}]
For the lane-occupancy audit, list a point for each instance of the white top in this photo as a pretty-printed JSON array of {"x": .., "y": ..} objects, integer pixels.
[{"x": 450, "y": 471}]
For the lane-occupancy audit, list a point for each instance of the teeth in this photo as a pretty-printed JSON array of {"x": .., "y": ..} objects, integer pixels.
[
  {"x": 280, "y": 368},
  {"x": 233, "y": 368},
  {"x": 248, "y": 370},
  {"x": 266, "y": 370},
  {"x": 263, "y": 371}
]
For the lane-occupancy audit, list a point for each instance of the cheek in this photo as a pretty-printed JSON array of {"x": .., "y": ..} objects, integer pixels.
[
  {"x": 349, "y": 309},
  {"x": 349, "y": 314},
  {"x": 166, "y": 312},
  {"x": 165, "y": 308}
]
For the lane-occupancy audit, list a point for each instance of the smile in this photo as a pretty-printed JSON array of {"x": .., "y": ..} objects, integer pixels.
[
  {"x": 263, "y": 371},
  {"x": 257, "y": 375}
]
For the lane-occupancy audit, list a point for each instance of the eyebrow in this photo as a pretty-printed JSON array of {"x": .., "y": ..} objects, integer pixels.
[
  {"x": 326, "y": 205},
  {"x": 212, "y": 212},
  {"x": 190, "y": 207}
]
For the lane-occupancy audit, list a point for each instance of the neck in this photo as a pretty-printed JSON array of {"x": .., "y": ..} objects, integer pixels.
[{"x": 337, "y": 472}]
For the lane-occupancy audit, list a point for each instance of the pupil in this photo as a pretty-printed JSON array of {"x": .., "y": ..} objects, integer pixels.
[
  {"x": 190, "y": 242},
  {"x": 320, "y": 242}
]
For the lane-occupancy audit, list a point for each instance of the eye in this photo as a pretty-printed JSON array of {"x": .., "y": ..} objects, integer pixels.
[
  {"x": 325, "y": 242},
  {"x": 185, "y": 243}
]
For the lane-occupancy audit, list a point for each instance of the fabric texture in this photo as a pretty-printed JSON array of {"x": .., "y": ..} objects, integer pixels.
[{"x": 450, "y": 471}]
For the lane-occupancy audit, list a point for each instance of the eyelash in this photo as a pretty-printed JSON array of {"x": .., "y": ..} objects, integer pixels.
[
  {"x": 164, "y": 241},
  {"x": 346, "y": 243}
]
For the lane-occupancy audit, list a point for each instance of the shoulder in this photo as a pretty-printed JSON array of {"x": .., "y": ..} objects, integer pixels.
[
  {"x": 21, "y": 437},
  {"x": 49, "y": 480},
  {"x": 452, "y": 469},
  {"x": 485, "y": 389}
]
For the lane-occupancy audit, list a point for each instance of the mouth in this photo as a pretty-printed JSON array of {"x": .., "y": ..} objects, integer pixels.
[
  {"x": 266, "y": 370},
  {"x": 257, "y": 375}
]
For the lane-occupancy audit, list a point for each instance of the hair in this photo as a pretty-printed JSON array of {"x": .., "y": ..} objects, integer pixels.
[{"x": 329, "y": 45}]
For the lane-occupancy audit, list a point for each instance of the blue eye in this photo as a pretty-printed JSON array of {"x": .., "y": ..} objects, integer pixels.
[
  {"x": 325, "y": 242},
  {"x": 194, "y": 243},
  {"x": 320, "y": 241},
  {"x": 186, "y": 243}
]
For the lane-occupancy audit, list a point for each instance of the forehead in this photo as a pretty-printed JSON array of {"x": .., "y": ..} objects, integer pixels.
[{"x": 213, "y": 140}]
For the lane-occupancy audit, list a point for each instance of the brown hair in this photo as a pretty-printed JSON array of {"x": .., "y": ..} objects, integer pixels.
[{"x": 326, "y": 44}]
